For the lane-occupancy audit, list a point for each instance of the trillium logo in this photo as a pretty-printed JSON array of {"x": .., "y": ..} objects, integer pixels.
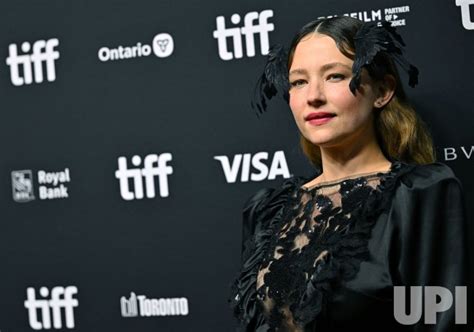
[{"x": 163, "y": 45}]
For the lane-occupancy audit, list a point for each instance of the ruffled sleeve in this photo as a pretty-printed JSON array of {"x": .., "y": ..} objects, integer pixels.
[
  {"x": 250, "y": 211},
  {"x": 261, "y": 213},
  {"x": 432, "y": 236}
]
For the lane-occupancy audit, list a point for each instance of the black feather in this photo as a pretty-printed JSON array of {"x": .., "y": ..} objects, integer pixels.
[
  {"x": 273, "y": 80},
  {"x": 371, "y": 39}
]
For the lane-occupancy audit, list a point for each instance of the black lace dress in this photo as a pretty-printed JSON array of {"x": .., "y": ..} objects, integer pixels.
[{"x": 326, "y": 258}]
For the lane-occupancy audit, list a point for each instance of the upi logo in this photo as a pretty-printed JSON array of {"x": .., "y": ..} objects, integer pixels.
[
  {"x": 466, "y": 13},
  {"x": 431, "y": 304}
]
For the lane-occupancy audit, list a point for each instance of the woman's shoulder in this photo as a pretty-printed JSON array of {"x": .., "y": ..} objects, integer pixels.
[{"x": 423, "y": 176}]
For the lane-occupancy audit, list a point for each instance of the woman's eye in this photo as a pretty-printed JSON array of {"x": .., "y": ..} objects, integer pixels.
[
  {"x": 336, "y": 77},
  {"x": 297, "y": 83}
]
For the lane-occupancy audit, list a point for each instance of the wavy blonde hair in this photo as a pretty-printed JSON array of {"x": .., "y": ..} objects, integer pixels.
[{"x": 400, "y": 132}]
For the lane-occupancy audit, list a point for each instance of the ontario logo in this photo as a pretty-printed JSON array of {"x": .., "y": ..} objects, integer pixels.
[{"x": 162, "y": 46}]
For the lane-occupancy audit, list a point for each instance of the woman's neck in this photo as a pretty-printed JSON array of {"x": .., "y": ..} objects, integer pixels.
[
  {"x": 344, "y": 162},
  {"x": 336, "y": 167}
]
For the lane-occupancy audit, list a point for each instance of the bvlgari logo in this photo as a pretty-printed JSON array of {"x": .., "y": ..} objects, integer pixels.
[{"x": 462, "y": 152}]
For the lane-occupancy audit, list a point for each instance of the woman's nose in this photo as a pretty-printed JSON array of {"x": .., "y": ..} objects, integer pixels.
[{"x": 316, "y": 95}]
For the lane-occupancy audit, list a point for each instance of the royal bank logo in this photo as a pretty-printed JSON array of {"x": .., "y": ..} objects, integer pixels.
[
  {"x": 52, "y": 308},
  {"x": 162, "y": 47},
  {"x": 254, "y": 24},
  {"x": 254, "y": 167},
  {"x": 394, "y": 15},
  {"x": 141, "y": 306},
  {"x": 22, "y": 186},
  {"x": 466, "y": 13},
  {"x": 31, "y": 65},
  {"x": 51, "y": 185},
  {"x": 137, "y": 182}
]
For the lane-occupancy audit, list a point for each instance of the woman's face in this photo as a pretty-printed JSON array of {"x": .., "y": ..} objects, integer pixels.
[{"x": 319, "y": 83}]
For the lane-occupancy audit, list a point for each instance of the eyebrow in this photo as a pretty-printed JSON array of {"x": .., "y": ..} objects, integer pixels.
[{"x": 323, "y": 68}]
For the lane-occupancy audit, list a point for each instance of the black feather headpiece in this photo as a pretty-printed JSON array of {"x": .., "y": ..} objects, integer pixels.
[{"x": 369, "y": 41}]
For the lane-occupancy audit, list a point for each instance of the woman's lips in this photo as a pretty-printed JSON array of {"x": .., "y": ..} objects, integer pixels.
[
  {"x": 319, "y": 118},
  {"x": 320, "y": 121}
]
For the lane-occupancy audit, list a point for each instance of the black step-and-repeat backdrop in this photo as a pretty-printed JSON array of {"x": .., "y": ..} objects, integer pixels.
[{"x": 128, "y": 147}]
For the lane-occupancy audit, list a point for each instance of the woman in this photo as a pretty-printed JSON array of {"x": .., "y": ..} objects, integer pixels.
[{"x": 324, "y": 253}]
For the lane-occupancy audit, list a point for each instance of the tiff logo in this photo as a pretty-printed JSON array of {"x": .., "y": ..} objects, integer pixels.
[
  {"x": 154, "y": 165},
  {"x": 248, "y": 30},
  {"x": 431, "y": 304},
  {"x": 466, "y": 13},
  {"x": 62, "y": 298},
  {"x": 24, "y": 67}
]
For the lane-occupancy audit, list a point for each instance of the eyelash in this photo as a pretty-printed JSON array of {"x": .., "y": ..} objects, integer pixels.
[
  {"x": 341, "y": 76},
  {"x": 296, "y": 83}
]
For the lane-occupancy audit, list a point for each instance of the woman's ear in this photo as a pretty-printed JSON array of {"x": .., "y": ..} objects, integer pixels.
[{"x": 385, "y": 91}]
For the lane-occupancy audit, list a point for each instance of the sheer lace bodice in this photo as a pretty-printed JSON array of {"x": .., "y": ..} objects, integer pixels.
[{"x": 298, "y": 249}]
